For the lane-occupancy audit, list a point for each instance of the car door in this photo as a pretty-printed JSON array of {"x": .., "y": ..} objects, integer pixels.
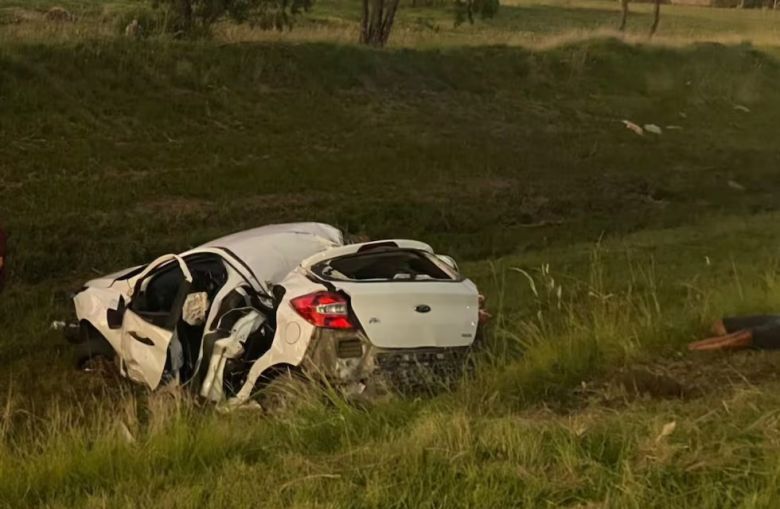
[{"x": 149, "y": 322}]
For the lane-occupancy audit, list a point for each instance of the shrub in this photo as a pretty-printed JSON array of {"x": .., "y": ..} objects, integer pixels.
[
  {"x": 465, "y": 10},
  {"x": 150, "y": 21},
  {"x": 195, "y": 17}
]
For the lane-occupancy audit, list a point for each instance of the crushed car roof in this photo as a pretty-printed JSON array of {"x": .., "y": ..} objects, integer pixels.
[
  {"x": 271, "y": 252},
  {"x": 355, "y": 248}
]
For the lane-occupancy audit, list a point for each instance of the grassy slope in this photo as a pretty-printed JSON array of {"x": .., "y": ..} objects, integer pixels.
[
  {"x": 526, "y": 432},
  {"x": 236, "y": 133},
  {"x": 114, "y": 152}
]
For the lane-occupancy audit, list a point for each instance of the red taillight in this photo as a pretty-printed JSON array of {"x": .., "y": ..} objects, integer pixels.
[{"x": 324, "y": 309}]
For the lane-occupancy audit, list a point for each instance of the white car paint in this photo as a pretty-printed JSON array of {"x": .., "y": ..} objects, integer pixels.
[
  {"x": 256, "y": 261},
  {"x": 388, "y": 316},
  {"x": 271, "y": 252},
  {"x": 144, "y": 346},
  {"x": 292, "y": 337},
  {"x": 228, "y": 348},
  {"x": 271, "y": 249},
  {"x": 92, "y": 305},
  {"x": 108, "y": 280},
  {"x": 387, "y": 309},
  {"x": 336, "y": 252}
]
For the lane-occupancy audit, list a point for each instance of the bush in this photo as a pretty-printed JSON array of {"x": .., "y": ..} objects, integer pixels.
[
  {"x": 428, "y": 3},
  {"x": 465, "y": 10},
  {"x": 150, "y": 21},
  {"x": 195, "y": 17}
]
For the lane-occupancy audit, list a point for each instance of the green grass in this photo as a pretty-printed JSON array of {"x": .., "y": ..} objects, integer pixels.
[
  {"x": 501, "y": 144},
  {"x": 579, "y": 418}
]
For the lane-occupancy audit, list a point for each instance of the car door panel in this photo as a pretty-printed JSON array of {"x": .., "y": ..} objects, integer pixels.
[
  {"x": 145, "y": 349},
  {"x": 147, "y": 334}
]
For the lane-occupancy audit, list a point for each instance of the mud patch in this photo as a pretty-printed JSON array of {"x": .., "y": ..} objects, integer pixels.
[
  {"x": 685, "y": 379},
  {"x": 59, "y": 15},
  {"x": 176, "y": 206},
  {"x": 16, "y": 16},
  {"x": 283, "y": 201}
]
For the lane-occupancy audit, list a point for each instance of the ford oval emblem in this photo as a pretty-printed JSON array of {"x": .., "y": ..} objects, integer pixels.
[{"x": 423, "y": 308}]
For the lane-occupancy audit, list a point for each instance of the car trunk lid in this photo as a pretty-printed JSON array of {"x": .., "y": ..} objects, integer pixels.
[
  {"x": 403, "y": 295},
  {"x": 415, "y": 314}
]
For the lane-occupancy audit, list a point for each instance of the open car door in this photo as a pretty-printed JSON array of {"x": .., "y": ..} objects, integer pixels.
[{"x": 149, "y": 322}]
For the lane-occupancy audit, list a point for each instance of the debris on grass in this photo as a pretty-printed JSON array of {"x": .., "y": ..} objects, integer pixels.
[
  {"x": 133, "y": 29},
  {"x": 736, "y": 185},
  {"x": 683, "y": 379},
  {"x": 742, "y": 108},
  {"x": 57, "y": 325},
  {"x": 70, "y": 330},
  {"x": 637, "y": 129},
  {"x": 652, "y": 128},
  {"x": 250, "y": 406},
  {"x": 125, "y": 432},
  {"x": 667, "y": 430}
]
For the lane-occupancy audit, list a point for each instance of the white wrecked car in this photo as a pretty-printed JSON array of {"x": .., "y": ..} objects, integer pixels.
[{"x": 228, "y": 314}]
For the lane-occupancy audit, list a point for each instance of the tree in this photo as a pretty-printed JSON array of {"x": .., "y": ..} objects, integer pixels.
[
  {"x": 377, "y": 21},
  {"x": 466, "y": 9},
  {"x": 656, "y": 16},
  {"x": 623, "y": 14},
  {"x": 378, "y": 16},
  {"x": 195, "y": 17}
]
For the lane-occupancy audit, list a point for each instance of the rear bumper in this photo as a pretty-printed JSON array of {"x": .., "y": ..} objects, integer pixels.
[{"x": 347, "y": 359}]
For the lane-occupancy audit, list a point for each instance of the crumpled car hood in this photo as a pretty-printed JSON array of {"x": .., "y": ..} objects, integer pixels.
[{"x": 108, "y": 280}]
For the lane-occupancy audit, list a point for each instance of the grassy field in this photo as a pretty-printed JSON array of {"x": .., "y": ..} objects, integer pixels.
[
  {"x": 501, "y": 143},
  {"x": 529, "y": 23}
]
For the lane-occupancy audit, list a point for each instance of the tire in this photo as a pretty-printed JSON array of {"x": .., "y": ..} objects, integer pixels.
[
  {"x": 278, "y": 389},
  {"x": 93, "y": 347},
  {"x": 479, "y": 337}
]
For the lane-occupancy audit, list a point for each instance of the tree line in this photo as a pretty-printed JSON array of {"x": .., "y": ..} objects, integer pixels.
[{"x": 194, "y": 18}]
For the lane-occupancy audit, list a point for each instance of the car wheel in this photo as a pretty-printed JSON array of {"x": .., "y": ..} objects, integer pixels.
[
  {"x": 479, "y": 337},
  {"x": 278, "y": 390},
  {"x": 93, "y": 353}
]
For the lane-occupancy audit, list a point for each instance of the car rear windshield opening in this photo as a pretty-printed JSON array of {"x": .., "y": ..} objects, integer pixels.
[{"x": 391, "y": 265}]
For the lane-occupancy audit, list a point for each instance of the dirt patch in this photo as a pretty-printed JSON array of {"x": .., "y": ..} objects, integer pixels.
[
  {"x": 282, "y": 200},
  {"x": 687, "y": 378},
  {"x": 15, "y": 16},
  {"x": 124, "y": 174},
  {"x": 247, "y": 211},
  {"x": 176, "y": 206},
  {"x": 507, "y": 201},
  {"x": 59, "y": 15}
]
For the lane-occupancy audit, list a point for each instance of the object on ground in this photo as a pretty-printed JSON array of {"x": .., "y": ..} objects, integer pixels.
[
  {"x": 637, "y": 129},
  {"x": 59, "y": 15},
  {"x": 761, "y": 332}
]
